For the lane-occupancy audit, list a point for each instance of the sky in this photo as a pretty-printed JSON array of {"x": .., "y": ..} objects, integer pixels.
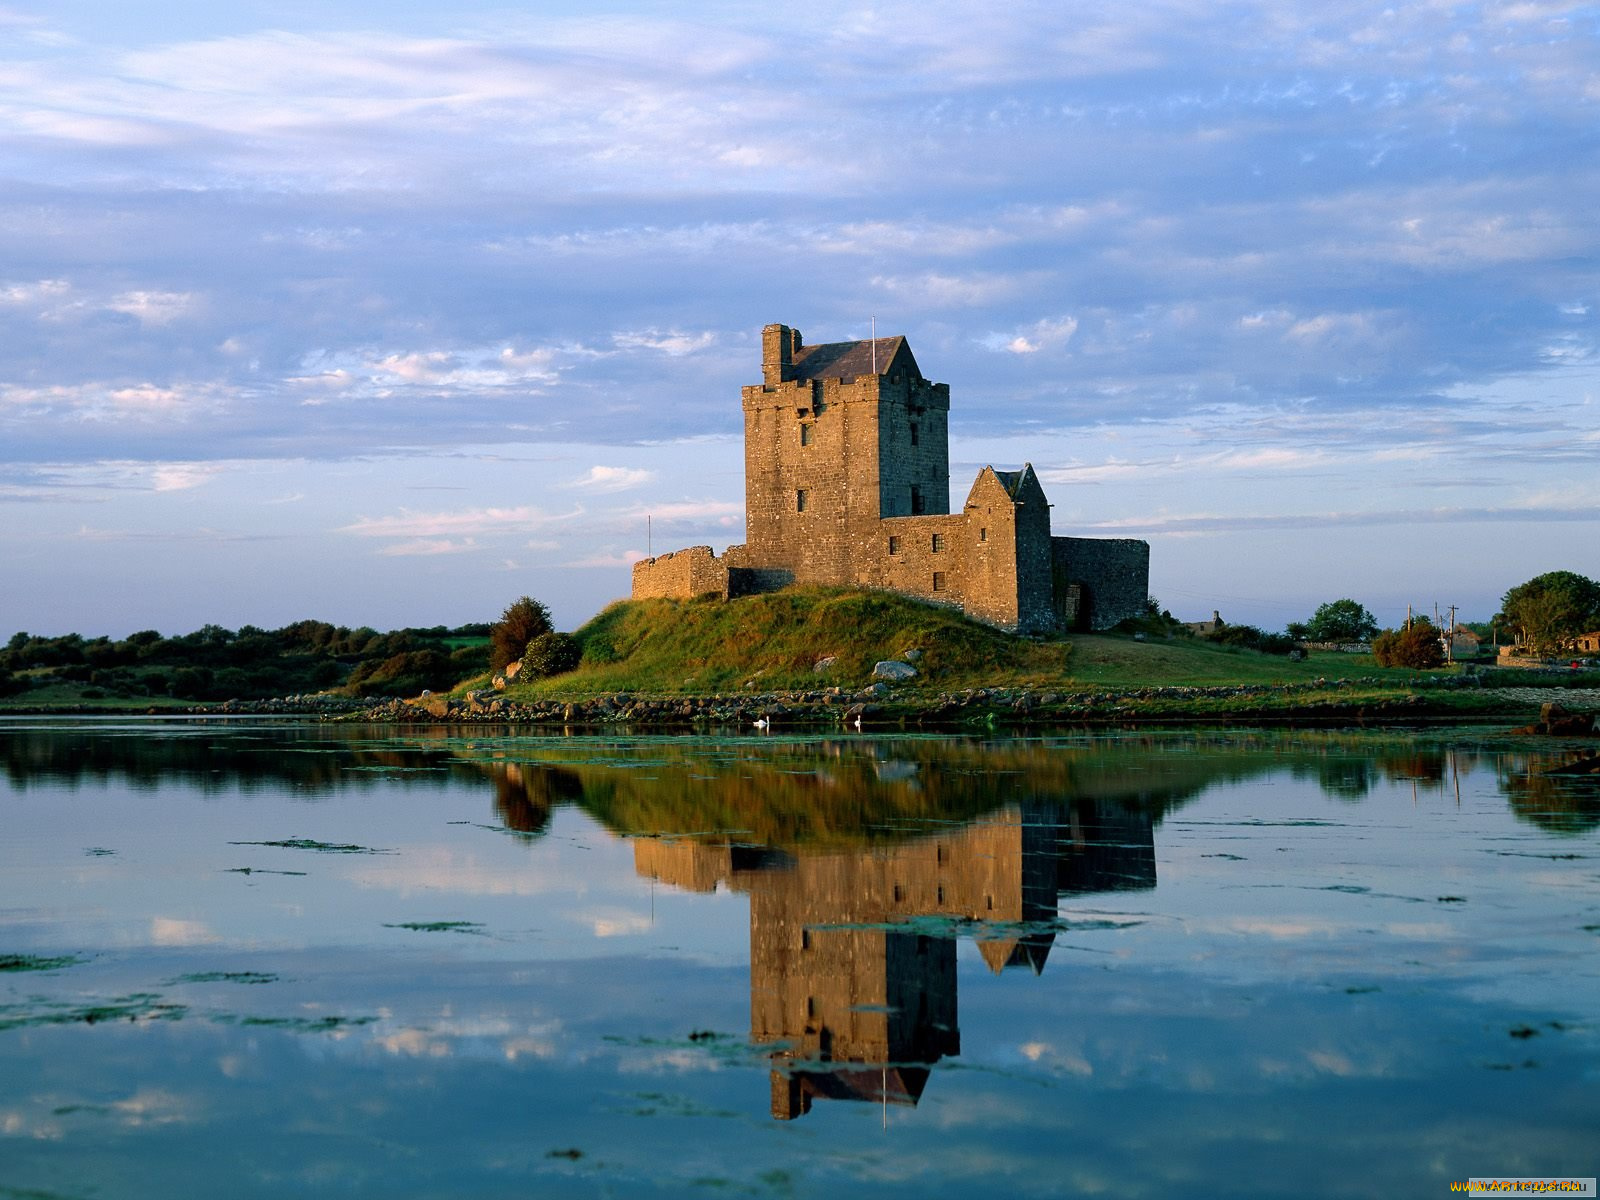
[{"x": 389, "y": 313}]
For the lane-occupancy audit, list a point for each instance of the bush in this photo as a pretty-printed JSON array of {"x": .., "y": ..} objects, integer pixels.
[
  {"x": 523, "y": 620},
  {"x": 1417, "y": 647},
  {"x": 404, "y": 674},
  {"x": 1251, "y": 638},
  {"x": 551, "y": 654}
]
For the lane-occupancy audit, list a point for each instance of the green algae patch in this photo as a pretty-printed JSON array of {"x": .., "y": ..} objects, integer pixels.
[
  {"x": 320, "y": 847},
  {"x": 139, "y": 1006},
  {"x": 35, "y": 962},
  {"x": 329, "y": 1024},
  {"x": 438, "y": 926},
  {"x": 251, "y": 977}
]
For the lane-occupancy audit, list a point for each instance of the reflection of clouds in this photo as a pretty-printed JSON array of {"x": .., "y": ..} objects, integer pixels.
[
  {"x": 152, "y": 1106},
  {"x": 414, "y": 1043},
  {"x": 41, "y": 1117},
  {"x": 440, "y": 869},
  {"x": 614, "y": 922},
  {"x": 481, "y": 1036},
  {"x": 171, "y": 931},
  {"x": 681, "y": 1059},
  {"x": 1287, "y": 928},
  {"x": 43, "y": 1126},
  {"x": 1046, "y": 1054}
]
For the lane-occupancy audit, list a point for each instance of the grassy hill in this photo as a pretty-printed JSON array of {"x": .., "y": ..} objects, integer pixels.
[{"x": 773, "y": 642}]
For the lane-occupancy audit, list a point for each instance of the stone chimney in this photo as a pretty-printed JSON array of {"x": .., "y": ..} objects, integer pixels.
[{"x": 778, "y": 344}]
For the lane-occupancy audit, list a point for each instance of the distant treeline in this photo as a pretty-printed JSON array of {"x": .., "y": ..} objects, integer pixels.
[{"x": 214, "y": 663}]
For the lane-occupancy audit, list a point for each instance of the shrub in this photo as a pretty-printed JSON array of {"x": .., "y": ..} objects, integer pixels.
[
  {"x": 1251, "y": 638},
  {"x": 404, "y": 674},
  {"x": 551, "y": 654},
  {"x": 1417, "y": 647}
]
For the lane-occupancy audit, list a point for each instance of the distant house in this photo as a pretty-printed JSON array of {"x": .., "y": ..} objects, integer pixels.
[
  {"x": 1205, "y": 628},
  {"x": 1589, "y": 643},
  {"x": 1464, "y": 643}
]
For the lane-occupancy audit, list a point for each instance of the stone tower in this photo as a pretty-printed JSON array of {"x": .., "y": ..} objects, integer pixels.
[{"x": 836, "y": 437}]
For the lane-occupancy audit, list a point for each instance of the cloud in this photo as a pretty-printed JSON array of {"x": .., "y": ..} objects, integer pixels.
[
  {"x": 672, "y": 343},
  {"x": 690, "y": 512},
  {"x": 607, "y": 559},
  {"x": 424, "y": 547},
  {"x": 153, "y": 308},
  {"x": 612, "y": 479},
  {"x": 409, "y": 524},
  {"x": 20, "y": 294},
  {"x": 1047, "y": 334},
  {"x": 180, "y": 477}
]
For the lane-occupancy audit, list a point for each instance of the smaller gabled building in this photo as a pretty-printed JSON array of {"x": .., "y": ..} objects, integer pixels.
[{"x": 847, "y": 482}]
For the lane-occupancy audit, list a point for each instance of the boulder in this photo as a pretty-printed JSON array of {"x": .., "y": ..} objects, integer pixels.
[
  {"x": 822, "y": 665},
  {"x": 890, "y": 669}
]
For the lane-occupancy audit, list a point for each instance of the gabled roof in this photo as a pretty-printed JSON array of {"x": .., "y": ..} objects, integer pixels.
[
  {"x": 1012, "y": 481},
  {"x": 846, "y": 360}
]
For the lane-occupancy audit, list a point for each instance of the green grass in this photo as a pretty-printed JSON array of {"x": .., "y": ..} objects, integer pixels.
[
  {"x": 772, "y": 642},
  {"x": 1112, "y": 661}
]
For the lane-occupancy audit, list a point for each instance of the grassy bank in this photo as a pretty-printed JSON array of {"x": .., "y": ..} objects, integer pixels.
[
  {"x": 810, "y": 653},
  {"x": 809, "y": 644}
]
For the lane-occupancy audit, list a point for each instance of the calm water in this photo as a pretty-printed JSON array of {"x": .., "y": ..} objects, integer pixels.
[{"x": 255, "y": 960}]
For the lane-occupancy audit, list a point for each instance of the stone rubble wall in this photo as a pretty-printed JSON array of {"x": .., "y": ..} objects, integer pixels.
[
  {"x": 1113, "y": 575},
  {"x": 680, "y": 575}
]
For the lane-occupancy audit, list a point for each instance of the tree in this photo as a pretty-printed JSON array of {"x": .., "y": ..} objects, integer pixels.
[
  {"x": 523, "y": 620},
  {"x": 1337, "y": 621},
  {"x": 1551, "y": 610},
  {"x": 1417, "y": 647}
]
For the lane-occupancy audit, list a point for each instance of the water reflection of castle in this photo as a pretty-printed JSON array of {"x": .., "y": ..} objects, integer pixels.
[{"x": 853, "y": 953}]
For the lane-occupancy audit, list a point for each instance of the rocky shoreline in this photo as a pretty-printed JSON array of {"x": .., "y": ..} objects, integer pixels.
[{"x": 881, "y": 706}]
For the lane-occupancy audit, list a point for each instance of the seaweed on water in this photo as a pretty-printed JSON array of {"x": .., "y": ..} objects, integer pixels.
[
  {"x": 438, "y": 926},
  {"x": 224, "y": 977},
  {"x": 297, "y": 1024},
  {"x": 299, "y": 843},
  {"x": 257, "y": 871},
  {"x": 36, "y": 962},
  {"x": 12, "y": 1193},
  {"x": 140, "y": 1006}
]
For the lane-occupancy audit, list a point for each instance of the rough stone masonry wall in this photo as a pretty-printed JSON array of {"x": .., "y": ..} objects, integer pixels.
[
  {"x": 911, "y": 568},
  {"x": 835, "y": 465},
  {"x": 680, "y": 575},
  {"x": 1114, "y": 574}
]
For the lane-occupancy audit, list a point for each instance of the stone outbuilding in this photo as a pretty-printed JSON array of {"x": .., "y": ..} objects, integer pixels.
[{"x": 847, "y": 482}]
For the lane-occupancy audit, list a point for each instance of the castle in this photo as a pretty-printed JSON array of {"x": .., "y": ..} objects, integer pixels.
[{"x": 847, "y": 482}]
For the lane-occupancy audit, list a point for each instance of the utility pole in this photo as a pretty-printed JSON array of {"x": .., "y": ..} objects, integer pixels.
[
  {"x": 1450, "y": 643},
  {"x": 649, "y": 537}
]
